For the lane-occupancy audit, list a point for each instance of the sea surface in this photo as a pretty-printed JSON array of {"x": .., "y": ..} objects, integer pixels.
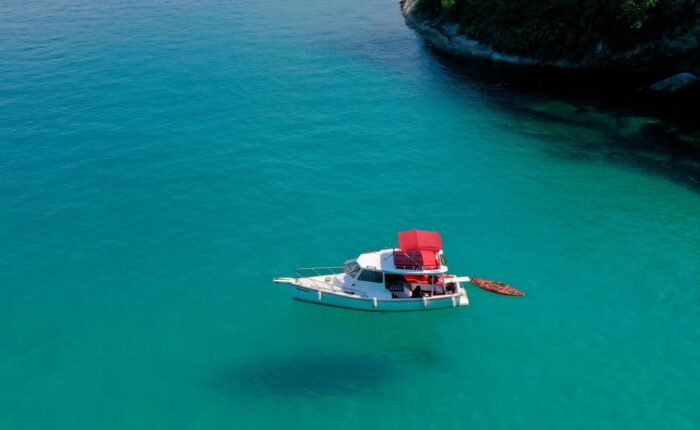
[{"x": 162, "y": 161}]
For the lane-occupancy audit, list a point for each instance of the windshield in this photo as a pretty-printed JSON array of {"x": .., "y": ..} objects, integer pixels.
[{"x": 351, "y": 268}]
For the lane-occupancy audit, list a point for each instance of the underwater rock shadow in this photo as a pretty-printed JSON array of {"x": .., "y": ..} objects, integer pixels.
[
  {"x": 668, "y": 145},
  {"x": 306, "y": 376},
  {"x": 655, "y": 148}
]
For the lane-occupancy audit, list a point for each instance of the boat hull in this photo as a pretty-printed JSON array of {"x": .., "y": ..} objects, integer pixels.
[{"x": 371, "y": 304}]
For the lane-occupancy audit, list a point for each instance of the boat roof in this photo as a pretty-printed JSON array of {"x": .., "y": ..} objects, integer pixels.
[
  {"x": 420, "y": 240},
  {"x": 383, "y": 260}
]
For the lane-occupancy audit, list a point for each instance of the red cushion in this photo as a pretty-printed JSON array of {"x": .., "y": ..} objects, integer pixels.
[
  {"x": 416, "y": 260},
  {"x": 417, "y": 279}
]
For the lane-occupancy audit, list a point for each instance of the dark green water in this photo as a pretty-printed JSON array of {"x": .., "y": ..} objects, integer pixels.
[{"x": 160, "y": 162}]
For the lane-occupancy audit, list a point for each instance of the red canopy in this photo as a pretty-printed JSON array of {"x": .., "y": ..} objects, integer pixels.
[{"x": 420, "y": 240}]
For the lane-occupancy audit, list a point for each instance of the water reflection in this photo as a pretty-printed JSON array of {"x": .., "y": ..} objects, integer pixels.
[{"x": 403, "y": 336}]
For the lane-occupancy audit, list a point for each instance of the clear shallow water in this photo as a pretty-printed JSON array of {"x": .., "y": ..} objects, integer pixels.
[{"x": 161, "y": 161}]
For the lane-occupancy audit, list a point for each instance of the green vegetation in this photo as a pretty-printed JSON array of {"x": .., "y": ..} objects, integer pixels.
[{"x": 564, "y": 29}]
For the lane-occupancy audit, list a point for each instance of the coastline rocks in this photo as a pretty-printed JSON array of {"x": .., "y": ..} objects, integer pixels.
[
  {"x": 446, "y": 37},
  {"x": 681, "y": 82}
]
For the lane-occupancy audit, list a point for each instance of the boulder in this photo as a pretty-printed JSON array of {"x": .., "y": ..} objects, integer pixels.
[{"x": 676, "y": 83}]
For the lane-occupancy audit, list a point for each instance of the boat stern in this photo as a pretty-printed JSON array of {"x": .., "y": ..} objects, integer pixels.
[{"x": 463, "y": 298}]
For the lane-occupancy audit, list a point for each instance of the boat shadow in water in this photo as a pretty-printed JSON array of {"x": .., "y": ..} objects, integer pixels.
[
  {"x": 306, "y": 376},
  {"x": 399, "y": 346},
  {"x": 612, "y": 119}
]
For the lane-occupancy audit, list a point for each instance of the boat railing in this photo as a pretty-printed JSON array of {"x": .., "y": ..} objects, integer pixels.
[
  {"x": 417, "y": 265},
  {"x": 310, "y": 272},
  {"x": 321, "y": 270}
]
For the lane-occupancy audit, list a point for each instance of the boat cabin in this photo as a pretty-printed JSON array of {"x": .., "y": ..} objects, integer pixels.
[{"x": 413, "y": 270}]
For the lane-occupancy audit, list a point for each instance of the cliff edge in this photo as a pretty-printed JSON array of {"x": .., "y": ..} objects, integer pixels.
[{"x": 653, "y": 37}]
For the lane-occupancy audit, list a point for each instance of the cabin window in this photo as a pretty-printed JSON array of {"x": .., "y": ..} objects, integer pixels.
[{"x": 371, "y": 276}]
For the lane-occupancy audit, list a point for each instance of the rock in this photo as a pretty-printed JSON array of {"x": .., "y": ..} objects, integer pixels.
[
  {"x": 674, "y": 84},
  {"x": 450, "y": 30},
  {"x": 675, "y": 50},
  {"x": 445, "y": 37}
]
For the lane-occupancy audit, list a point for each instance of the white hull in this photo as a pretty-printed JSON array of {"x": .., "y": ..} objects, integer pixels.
[
  {"x": 412, "y": 277},
  {"x": 340, "y": 299}
]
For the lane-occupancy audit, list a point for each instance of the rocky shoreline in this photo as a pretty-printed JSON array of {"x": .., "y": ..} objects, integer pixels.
[
  {"x": 681, "y": 79},
  {"x": 445, "y": 37}
]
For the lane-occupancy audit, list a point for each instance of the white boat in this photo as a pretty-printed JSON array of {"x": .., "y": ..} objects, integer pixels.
[{"x": 412, "y": 277}]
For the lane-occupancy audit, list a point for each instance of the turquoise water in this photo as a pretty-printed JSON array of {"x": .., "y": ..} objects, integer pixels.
[{"x": 160, "y": 162}]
